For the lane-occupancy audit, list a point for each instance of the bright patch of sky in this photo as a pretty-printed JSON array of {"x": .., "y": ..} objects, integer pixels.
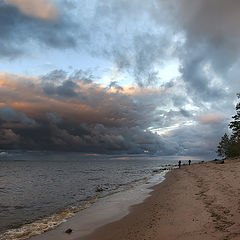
[{"x": 44, "y": 62}]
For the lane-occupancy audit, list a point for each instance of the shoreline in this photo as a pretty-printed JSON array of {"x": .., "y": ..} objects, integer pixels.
[
  {"x": 199, "y": 202},
  {"x": 104, "y": 211}
]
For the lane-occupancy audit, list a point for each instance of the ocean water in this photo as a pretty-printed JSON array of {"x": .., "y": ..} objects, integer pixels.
[{"x": 47, "y": 188}]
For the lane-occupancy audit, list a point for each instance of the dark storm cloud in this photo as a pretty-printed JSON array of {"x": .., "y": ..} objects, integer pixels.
[
  {"x": 67, "y": 89},
  {"x": 8, "y": 137},
  {"x": 106, "y": 120},
  {"x": 52, "y": 117},
  {"x": 20, "y": 30},
  {"x": 60, "y": 83},
  {"x": 9, "y": 115},
  {"x": 100, "y": 138}
]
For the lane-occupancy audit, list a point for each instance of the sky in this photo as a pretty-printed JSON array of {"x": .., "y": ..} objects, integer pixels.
[{"x": 157, "y": 77}]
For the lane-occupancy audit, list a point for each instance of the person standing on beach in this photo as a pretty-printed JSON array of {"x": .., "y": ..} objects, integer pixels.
[
  {"x": 179, "y": 164},
  {"x": 189, "y": 162}
]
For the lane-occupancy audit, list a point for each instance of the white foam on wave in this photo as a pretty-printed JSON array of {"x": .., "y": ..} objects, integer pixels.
[{"x": 44, "y": 224}]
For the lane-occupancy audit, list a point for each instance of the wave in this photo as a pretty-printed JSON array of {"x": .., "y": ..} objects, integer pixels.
[
  {"x": 50, "y": 222},
  {"x": 44, "y": 224}
]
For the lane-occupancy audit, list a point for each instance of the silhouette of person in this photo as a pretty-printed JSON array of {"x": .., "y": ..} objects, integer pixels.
[
  {"x": 189, "y": 162},
  {"x": 179, "y": 164}
]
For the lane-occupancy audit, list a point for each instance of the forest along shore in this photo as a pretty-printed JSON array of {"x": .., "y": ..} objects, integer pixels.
[{"x": 201, "y": 201}]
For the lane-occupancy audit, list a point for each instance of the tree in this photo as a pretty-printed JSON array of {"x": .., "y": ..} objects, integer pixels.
[
  {"x": 230, "y": 147},
  {"x": 234, "y": 147},
  {"x": 223, "y": 147},
  {"x": 235, "y": 124}
]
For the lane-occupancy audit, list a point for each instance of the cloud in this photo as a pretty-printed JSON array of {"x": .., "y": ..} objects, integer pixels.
[
  {"x": 67, "y": 88},
  {"x": 8, "y": 137},
  {"x": 93, "y": 119},
  {"x": 23, "y": 33},
  {"x": 210, "y": 118},
  {"x": 114, "y": 84},
  {"x": 201, "y": 36},
  {"x": 124, "y": 33},
  {"x": 209, "y": 48},
  {"x": 9, "y": 115},
  {"x": 43, "y": 9},
  {"x": 197, "y": 140},
  {"x": 52, "y": 117},
  {"x": 138, "y": 38}
]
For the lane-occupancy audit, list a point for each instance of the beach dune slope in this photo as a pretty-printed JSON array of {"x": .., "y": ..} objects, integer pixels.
[{"x": 201, "y": 201}]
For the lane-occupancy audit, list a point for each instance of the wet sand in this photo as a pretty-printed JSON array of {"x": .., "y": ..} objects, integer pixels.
[
  {"x": 201, "y": 201},
  {"x": 104, "y": 211}
]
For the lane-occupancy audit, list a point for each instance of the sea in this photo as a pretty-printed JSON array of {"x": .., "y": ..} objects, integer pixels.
[{"x": 40, "y": 190}]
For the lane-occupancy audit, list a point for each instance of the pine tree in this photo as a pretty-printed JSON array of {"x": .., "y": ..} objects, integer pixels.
[
  {"x": 223, "y": 147},
  {"x": 234, "y": 147},
  {"x": 230, "y": 147},
  {"x": 235, "y": 124}
]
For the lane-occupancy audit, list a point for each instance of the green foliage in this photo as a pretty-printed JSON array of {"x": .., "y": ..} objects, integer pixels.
[
  {"x": 230, "y": 147},
  {"x": 235, "y": 124},
  {"x": 223, "y": 147},
  {"x": 234, "y": 147}
]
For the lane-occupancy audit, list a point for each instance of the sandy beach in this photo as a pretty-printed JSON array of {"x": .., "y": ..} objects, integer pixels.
[{"x": 201, "y": 201}]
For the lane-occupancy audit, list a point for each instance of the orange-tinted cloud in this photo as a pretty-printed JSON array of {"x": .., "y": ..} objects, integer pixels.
[
  {"x": 43, "y": 9},
  {"x": 210, "y": 118},
  {"x": 8, "y": 137},
  {"x": 72, "y": 114}
]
